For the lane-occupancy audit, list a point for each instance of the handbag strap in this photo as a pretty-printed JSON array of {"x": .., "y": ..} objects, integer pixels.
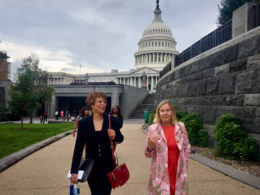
[{"x": 111, "y": 143}]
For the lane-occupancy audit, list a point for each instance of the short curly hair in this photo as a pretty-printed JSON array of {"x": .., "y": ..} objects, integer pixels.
[{"x": 90, "y": 100}]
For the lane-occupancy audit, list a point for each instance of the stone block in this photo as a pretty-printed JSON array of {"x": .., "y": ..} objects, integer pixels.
[
  {"x": 172, "y": 76},
  {"x": 192, "y": 89},
  {"x": 248, "y": 47},
  {"x": 257, "y": 81},
  {"x": 216, "y": 59},
  {"x": 209, "y": 73},
  {"x": 220, "y": 110},
  {"x": 227, "y": 84},
  {"x": 187, "y": 70},
  {"x": 212, "y": 86},
  {"x": 209, "y": 115},
  {"x": 229, "y": 54},
  {"x": 246, "y": 115},
  {"x": 253, "y": 62},
  {"x": 257, "y": 112},
  {"x": 252, "y": 100},
  {"x": 182, "y": 72},
  {"x": 256, "y": 126},
  {"x": 245, "y": 82},
  {"x": 239, "y": 65},
  {"x": 218, "y": 100},
  {"x": 204, "y": 64},
  {"x": 224, "y": 69},
  {"x": 201, "y": 87},
  {"x": 195, "y": 67},
  {"x": 177, "y": 74},
  {"x": 234, "y": 100},
  {"x": 195, "y": 77}
]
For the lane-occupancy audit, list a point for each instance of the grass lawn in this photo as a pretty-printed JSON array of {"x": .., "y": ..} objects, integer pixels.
[{"x": 13, "y": 139}]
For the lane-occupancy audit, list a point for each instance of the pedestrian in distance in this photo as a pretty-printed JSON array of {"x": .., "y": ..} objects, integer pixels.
[
  {"x": 56, "y": 114},
  {"x": 95, "y": 133},
  {"x": 116, "y": 112},
  {"x": 45, "y": 117},
  {"x": 62, "y": 114},
  {"x": 84, "y": 113},
  {"x": 168, "y": 145}
]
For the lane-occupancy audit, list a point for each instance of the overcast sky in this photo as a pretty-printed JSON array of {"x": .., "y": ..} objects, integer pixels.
[{"x": 86, "y": 36}]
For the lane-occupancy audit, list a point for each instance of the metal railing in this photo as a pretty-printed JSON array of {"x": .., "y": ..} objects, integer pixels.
[
  {"x": 213, "y": 39},
  {"x": 166, "y": 69}
]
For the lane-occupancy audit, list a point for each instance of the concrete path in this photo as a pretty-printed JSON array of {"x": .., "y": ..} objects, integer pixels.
[{"x": 44, "y": 172}]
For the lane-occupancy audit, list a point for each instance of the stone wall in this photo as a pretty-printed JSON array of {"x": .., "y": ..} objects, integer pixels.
[
  {"x": 226, "y": 79},
  {"x": 132, "y": 97}
]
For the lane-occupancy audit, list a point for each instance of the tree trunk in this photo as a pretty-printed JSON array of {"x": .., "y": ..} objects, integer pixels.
[{"x": 31, "y": 117}]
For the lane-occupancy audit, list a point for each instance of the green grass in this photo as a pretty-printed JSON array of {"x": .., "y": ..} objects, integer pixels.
[{"x": 13, "y": 139}]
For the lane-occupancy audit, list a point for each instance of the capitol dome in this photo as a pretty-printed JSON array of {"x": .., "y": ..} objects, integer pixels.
[
  {"x": 157, "y": 47},
  {"x": 157, "y": 27}
]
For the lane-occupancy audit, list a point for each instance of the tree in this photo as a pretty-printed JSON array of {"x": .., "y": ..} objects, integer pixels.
[
  {"x": 227, "y": 7},
  {"x": 30, "y": 89}
]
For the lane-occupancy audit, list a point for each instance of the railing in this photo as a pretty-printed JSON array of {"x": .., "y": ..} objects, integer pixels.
[
  {"x": 254, "y": 17},
  {"x": 213, "y": 39},
  {"x": 166, "y": 69}
]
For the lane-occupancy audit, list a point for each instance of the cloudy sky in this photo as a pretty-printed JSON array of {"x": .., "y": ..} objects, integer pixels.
[{"x": 95, "y": 36}]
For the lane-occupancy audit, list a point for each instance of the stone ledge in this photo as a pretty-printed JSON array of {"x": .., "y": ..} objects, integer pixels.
[
  {"x": 11, "y": 159},
  {"x": 228, "y": 170}
]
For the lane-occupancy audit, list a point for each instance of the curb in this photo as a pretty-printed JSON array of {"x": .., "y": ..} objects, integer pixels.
[
  {"x": 228, "y": 170},
  {"x": 11, "y": 159},
  {"x": 225, "y": 169}
]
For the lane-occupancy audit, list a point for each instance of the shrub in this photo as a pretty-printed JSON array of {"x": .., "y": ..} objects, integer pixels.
[
  {"x": 151, "y": 117},
  {"x": 196, "y": 132},
  {"x": 232, "y": 140},
  {"x": 180, "y": 114}
]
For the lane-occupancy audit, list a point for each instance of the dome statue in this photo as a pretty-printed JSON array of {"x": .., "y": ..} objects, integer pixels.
[{"x": 157, "y": 47}]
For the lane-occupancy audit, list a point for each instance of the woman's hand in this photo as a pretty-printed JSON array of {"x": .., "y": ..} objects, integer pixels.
[
  {"x": 111, "y": 134},
  {"x": 152, "y": 141},
  {"x": 74, "y": 133},
  {"x": 74, "y": 178}
]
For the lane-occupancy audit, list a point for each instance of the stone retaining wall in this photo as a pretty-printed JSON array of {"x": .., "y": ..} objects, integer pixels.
[{"x": 223, "y": 80}]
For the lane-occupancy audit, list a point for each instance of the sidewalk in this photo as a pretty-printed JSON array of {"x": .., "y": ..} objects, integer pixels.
[{"x": 44, "y": 172}]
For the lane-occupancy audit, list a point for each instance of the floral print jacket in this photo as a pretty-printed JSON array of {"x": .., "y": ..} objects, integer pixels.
[{"x": 159, "y": 183}]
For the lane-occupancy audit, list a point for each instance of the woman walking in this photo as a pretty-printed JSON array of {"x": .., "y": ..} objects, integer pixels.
[
  {"x": 168, "y": 146},
  {"x": 84, "y": 113},
  {"x": 116, "y": 112},
  {"x": 94, "y": 131}
]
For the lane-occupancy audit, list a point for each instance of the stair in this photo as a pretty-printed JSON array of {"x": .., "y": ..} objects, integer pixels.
[{"x": 148, "y": 104}]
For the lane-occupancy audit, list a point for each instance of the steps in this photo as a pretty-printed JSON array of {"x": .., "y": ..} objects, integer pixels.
[{"x": 148, "y": 104}]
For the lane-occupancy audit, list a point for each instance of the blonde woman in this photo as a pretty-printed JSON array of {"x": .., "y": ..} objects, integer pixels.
[{"x": 168, "y": 145}]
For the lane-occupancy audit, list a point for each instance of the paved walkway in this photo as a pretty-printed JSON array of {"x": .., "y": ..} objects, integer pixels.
[{"x": 44, "y": 172}]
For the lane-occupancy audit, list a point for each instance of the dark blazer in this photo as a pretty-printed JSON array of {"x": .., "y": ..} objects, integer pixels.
[{"x": 98, "y": 147}]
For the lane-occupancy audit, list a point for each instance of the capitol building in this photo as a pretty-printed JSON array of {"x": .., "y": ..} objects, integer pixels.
[{"x": 156, "y": 49}]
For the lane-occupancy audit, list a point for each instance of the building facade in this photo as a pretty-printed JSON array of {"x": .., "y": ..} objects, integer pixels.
[
  {"x": 156, "y": 49},
  {"x": 5, "y": 82}
]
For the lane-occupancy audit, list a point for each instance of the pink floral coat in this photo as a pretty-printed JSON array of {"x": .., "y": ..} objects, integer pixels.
[{"x": 159, "y": 183}]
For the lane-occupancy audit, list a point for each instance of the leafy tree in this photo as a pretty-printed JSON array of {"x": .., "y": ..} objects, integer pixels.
[
  {"x": 227, "y": 7},
  {"x": 30, "y": 89}
]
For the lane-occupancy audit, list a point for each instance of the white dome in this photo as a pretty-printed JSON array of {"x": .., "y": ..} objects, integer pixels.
[
  {"x": 157, "y": 28},
  {"x": 157, "y": 47}
]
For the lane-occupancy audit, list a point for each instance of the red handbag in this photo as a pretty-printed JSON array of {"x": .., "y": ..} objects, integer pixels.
[{"x": 120, "y": 173}]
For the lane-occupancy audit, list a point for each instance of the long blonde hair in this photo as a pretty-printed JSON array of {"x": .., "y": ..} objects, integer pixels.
[{"x": 157, "y": 118}]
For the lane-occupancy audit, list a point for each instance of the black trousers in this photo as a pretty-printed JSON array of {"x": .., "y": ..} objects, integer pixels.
[{"x": 100, "y": 188}]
